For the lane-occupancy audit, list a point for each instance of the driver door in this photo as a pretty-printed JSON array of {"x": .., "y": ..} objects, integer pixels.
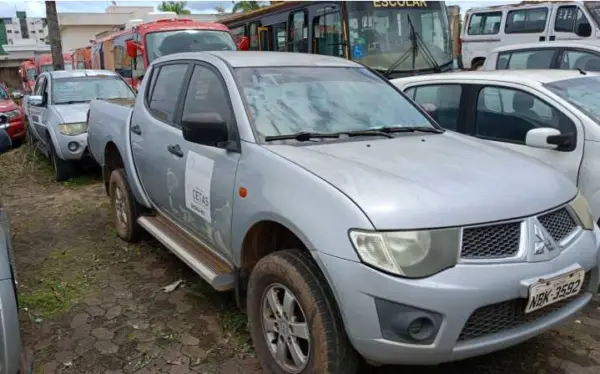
[
  {"x": 37, "y": 114},
  {"x": 504, "y": 114}
]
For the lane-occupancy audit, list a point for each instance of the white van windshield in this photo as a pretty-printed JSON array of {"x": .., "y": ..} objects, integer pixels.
[{"x": 582, "y": 92}]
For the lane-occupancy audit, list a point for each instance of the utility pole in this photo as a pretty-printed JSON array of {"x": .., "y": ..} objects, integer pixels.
[{"x": 58, "y": 62}]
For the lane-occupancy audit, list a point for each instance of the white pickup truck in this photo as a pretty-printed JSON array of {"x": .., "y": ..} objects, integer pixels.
[{"x": 346, "y": 221}]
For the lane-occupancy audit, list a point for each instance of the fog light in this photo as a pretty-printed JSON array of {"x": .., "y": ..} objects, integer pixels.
[
  {"x": 73, "y": 146},
  {"x": 420, "y": 328},
  {"x": 403, "y": 323}
]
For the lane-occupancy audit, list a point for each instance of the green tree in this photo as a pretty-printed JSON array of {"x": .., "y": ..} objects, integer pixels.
[
  {"x": 174, "y": 6},
  {"x": 54, "y": 39},
  {"x": 246, "y": 6}
]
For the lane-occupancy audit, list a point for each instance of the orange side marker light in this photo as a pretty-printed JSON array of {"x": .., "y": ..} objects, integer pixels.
[{"x": 243, "y": 192}]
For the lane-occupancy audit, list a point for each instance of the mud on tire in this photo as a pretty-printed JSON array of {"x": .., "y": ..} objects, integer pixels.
[
  {"x": 124, "y": 207},
  {"x": 328, "y": 350}
]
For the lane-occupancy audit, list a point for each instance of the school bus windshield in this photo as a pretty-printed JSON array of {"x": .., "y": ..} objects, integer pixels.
[{"x": 381, "y": 37}]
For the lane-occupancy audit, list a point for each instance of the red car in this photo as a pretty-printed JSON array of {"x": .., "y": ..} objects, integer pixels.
[{"x": 11, "y": 116}]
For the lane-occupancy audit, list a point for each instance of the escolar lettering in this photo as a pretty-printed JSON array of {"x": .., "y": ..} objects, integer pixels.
[{"x": 399, "y": 4}]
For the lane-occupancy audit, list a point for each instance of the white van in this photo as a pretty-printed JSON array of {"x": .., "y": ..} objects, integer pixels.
[{"x": 527, "y": 22}]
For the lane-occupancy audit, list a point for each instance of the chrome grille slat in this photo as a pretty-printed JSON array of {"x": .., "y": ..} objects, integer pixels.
[
  {"x": 558, "y": 223},
  {"x": 494, "y": 241}
]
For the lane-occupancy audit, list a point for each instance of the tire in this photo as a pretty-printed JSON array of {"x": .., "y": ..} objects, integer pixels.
[
  {"x": 329, "y": 351},
  {"x": 124, "y": 205},
  {"x": 63, "y": 170}
]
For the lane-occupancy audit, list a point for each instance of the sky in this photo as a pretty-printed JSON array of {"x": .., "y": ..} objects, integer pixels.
[{"x": 38, "y": 8}]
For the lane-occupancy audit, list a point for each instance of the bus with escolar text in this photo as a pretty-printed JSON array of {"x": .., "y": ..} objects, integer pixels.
[{"x": 395, "y": 38}]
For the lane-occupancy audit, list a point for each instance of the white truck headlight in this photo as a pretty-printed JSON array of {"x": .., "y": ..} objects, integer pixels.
[
  {"x": 72, "y": 128},
  {"x": 582, "y": 210},
  {"x": 412, "y": 254}
]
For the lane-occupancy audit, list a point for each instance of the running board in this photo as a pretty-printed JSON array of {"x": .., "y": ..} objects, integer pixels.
[{"x": 202, "y": 260}]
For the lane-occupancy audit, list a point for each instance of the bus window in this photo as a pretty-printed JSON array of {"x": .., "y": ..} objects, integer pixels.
[
  {"x": 298, "y": 32},
  {"x": 253, "y": 37},
  {"x": 121, "y": 61},
  {"x": 280, "y": 36},
  {"x": 327, "y": 35},
  {"x": 263, "y": 38}
]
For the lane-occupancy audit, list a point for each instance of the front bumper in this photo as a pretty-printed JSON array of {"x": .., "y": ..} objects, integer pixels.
[
  {"x": 72, "y": 155},
  {"x": 454, "y": 295}
]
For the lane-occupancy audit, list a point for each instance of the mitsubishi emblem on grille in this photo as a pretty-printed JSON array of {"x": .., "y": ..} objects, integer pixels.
[{"x": 542, "y": 242}]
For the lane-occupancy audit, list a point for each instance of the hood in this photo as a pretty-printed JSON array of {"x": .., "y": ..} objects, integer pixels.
[
  {"x": 72, "y": 112},
  {"x": 7, "y": 106},
  {"x": 433, "y": 180}
]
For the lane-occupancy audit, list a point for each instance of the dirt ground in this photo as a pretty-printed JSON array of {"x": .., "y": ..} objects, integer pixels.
[{"x": 92, "y": 304}]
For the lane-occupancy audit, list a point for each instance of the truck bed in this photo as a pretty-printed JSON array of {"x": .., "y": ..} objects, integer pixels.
[
  {"x": 108, "y": 122},
  {"x": 124, "y": 102}
]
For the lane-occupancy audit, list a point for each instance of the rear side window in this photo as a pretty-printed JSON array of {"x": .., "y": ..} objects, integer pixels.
[
  {"x": 526, "y": 21},
  {"x": 586, "y": 61},
  {"x": 484, "y": 23},
  {"x": 445, "y": 97},
  {"x": 528, "y": 59},
  {"x": 163, "y": 99}
]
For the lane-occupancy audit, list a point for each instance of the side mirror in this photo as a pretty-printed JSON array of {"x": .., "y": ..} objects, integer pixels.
[
  {"x": 5, "y": 142},
  {"x": 584, "y": 30},
  {"x": 547, "y": 138},
  {"x": 243, "y": 43},
  {"x": 17, "y": 95},
  {"x": 34, "y": 100},
  {"x": 205, "y": 128},
  {"x": 131, "y": 48}
]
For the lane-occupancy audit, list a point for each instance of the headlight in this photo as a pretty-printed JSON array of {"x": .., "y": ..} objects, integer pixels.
[
  {"x": 13, "y": 114},
  {"x": 412, "y": 254},
  {"x": 582, "y": 210},
  {"x": 72, "y": 128}
]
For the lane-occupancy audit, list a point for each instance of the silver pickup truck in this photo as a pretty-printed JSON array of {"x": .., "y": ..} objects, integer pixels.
[{"x": 345, "y": 220}]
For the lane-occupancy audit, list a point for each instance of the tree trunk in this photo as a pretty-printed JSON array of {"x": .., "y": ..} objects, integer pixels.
[{"x": 58, "y": 62}]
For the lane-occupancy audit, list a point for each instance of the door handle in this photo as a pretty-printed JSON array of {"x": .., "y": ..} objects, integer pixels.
[
  {"x": 136, "y": 129},
  {"x": 542, "y": 38},
  {"x": 175, "y": 149},
  {"x": 553, "y": 37}
]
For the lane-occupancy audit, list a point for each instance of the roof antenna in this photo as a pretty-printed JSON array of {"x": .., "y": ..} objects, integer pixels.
[{"x": 581, "y": 71}]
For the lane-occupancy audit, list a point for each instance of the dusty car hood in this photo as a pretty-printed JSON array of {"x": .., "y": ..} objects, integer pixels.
[
  {"x": 7, "y": 105},
  {"x": 72, "y": 112},
  {"x": 433, "y": 180}
]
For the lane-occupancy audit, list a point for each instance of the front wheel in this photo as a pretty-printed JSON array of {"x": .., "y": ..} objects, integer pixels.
[
  {"x": 294, "y": 321},
  {"x": 63, "y": 170}
]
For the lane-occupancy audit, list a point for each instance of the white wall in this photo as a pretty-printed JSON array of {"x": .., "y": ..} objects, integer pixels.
[{"x": 79, "y": 36}]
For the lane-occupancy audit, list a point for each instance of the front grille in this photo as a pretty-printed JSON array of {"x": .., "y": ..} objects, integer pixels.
[
  {"x": 495, "y": 241},
  {"x": 559, "y": 224},
  {"x": 495, "y": 318}
]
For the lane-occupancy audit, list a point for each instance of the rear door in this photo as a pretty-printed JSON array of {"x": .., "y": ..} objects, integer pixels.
[{"x": 155, "y": 132}]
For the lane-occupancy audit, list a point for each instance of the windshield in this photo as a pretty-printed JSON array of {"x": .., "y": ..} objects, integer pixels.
[
  {"x": 84, "y": 89},
  {"x": 594, "y": 8},
  {"x": 31, "y": 74},
  {"x": 287, "y": 100},
  {"x": 582, "y": 92},
  {"x": 47, "y": 67},
  {"x": 167, "y": 42},
  {"x": 380, "y": 33}
]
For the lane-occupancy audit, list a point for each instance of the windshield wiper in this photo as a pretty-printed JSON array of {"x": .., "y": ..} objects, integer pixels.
[
  {"x": 71, "y": 102},
  {"x": 374, "y": 132},
  {"x": 390, "y": 129},
  {"x": 302, "y": 136},
  {"x": 416, "y": 42}
]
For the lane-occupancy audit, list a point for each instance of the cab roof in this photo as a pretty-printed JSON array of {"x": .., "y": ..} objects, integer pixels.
[
  {"x": 554, "y": 44},
  {"x": 239, "y": 59},
  {"x": 527, "y": 77}
]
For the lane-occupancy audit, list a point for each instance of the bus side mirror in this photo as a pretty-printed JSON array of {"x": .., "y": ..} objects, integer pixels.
[
  {"x": 243, "y": 43},
  {"x": 132, "y": 48}
]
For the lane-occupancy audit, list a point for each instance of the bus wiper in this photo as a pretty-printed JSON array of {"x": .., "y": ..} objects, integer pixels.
[
  {"x": 302, "y": 136},
  {"x": 393, "y": 129}
]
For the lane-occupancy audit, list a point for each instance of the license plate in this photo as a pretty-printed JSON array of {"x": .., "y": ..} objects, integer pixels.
[{"x": 549, "y": 291}]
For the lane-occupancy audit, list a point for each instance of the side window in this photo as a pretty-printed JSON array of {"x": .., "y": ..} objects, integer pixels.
[
  {"x": 327, "y": 35},
  {"x": 446, "y": 99},
  {"x": 298, "y": 32},
  {"x": 506, "y": 114},
  {"x": 527, "y": 59},
  {"x": 411, "y": 92},
  {"x": 587, "y": 61},
  {"x": 208, "y": 94},
  {"x": 163, "y": 100},
  {"x": 280, "y": 38},
  {"x": 526, "y": 21},
  {"x": 569, "y": 18},
  {"x": 39, "y": 85},
  {"x": 484, "y": 23}
]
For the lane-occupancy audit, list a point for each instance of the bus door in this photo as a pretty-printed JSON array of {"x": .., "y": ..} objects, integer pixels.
[
  {"x": 263, "y": 38},
  {"x": 327, "y": 33},
  {"x": 279, "y": 37}
]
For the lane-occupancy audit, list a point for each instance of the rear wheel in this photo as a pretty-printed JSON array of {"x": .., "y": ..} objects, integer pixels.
[
  {"x": 477, "y": 65},
  {"x": 125, "y": 208},
  {"x": 63, "y": 170},
  {"x": 294, "y": 321}
]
